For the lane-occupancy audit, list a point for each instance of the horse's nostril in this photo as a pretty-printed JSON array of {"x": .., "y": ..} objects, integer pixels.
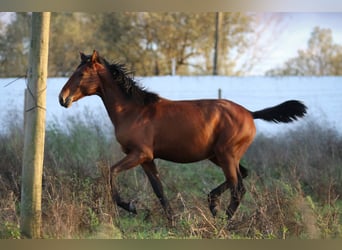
[{"x": 64, "y": 102}]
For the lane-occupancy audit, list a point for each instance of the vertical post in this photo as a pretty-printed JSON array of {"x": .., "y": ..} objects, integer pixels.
[
  {"x": 219, "y": 93},
  {"x": 34, "y": 130},
  {"x": 218, "y": 24},
  {"x": 173, "y": 66}
]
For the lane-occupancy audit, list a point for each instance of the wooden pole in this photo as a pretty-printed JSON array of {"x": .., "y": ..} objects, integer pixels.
[
  {"x": 34, "y": 127},
  {"x": 218, "y": 24}
]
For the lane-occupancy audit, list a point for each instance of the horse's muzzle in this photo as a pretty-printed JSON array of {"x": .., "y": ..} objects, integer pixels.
[{"x": 65, "y": 102}]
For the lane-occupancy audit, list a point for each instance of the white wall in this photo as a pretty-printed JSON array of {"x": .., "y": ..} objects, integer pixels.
[{"x": 322, "y": 95}]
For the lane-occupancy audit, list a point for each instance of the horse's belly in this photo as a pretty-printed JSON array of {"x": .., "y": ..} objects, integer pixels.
[
  {"x": 180, "y": 158},
  {"x": 183, "y": 153}
]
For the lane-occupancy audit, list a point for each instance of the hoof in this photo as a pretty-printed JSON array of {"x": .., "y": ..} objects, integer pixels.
[
  {"x": 132, "y": 207},
  {"x": 213, "y": 210}
]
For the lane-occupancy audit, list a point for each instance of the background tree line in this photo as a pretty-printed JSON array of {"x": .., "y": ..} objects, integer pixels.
[
  {"x": 148, "y": 42},
  {"x": 154, "y": 43},
  {"x": 321, "y": 57}
]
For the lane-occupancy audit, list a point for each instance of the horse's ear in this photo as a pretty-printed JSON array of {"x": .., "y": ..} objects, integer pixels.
[
  {"x": 83, "y": 56},
  {"x": 95, "y": 57}
]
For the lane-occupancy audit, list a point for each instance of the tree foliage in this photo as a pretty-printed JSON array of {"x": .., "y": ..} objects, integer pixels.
[
  {"x": 148, "y": 42},
  {"x": 69, "y": 34},
  {"x": 322, "y": 57},
  {"x": 14, "y": 46}
]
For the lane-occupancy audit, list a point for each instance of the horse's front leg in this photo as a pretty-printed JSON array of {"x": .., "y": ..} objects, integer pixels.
[
  {"x": 130, "y": 161},
  {"x": 153, "y": 175}
]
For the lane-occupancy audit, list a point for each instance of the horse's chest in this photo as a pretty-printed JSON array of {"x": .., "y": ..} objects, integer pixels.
[{"x": 133, "y": 137}]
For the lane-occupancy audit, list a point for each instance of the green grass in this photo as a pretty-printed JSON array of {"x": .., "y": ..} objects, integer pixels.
[{"x": 293, "y": 190}]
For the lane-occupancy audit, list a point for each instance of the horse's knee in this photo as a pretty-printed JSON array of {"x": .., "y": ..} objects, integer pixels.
[{"x": 238, "y": 191}]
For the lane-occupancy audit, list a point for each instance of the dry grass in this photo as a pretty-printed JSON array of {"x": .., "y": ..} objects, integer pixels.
[{"x": 293, "y": 190}]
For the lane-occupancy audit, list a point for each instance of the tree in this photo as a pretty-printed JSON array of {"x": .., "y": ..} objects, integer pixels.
[
  {"x": 120, "y": 39},
  {"x": 70, "y": 33},
  {"x": 188, "y": 38},
  {"x": 14, "y": 46},
  {"x": 34, "y": 127},
  {"x": 322, "y": 57},
  {"x": 170, "y": 37}
]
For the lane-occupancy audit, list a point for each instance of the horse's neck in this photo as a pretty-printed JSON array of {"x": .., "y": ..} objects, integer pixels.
[{"x": 116, "y": 104}]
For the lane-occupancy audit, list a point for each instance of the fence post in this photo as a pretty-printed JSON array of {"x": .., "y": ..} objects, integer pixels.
[{"x": 34, "y": 130}]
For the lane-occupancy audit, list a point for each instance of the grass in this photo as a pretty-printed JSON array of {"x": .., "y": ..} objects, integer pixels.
[{"x": 293, "y": 190}]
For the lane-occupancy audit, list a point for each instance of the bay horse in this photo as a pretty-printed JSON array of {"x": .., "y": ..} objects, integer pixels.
[{"x": 148, "y": 126}]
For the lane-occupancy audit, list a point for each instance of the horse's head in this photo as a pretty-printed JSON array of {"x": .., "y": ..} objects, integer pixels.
[{"x": 84, "y": 81}]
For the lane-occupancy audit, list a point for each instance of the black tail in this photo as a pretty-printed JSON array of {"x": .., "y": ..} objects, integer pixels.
[{"x": 288, "y": 111}]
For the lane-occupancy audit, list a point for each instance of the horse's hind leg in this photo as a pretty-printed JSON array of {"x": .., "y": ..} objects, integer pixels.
[
  {"x": 153, "y": 176},
  {"x": 234, "y": 173},
  {"x": 237, "y": 192},
  {"x": 213, "y": 196},
  {"x": 243, "y": 171}
]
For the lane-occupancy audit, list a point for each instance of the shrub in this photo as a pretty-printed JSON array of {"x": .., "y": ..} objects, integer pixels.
[{"x": 311, "y": 156}]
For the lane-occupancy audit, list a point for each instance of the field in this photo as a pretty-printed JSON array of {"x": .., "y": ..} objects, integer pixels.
[{"x": 293, "y": 190}]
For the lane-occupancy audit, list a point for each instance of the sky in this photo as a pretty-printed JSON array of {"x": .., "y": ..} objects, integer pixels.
[{"x": 293, "y": 34}]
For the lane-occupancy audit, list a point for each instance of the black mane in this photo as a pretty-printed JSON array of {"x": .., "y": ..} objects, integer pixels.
[{"x": 129, "y": 86}]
